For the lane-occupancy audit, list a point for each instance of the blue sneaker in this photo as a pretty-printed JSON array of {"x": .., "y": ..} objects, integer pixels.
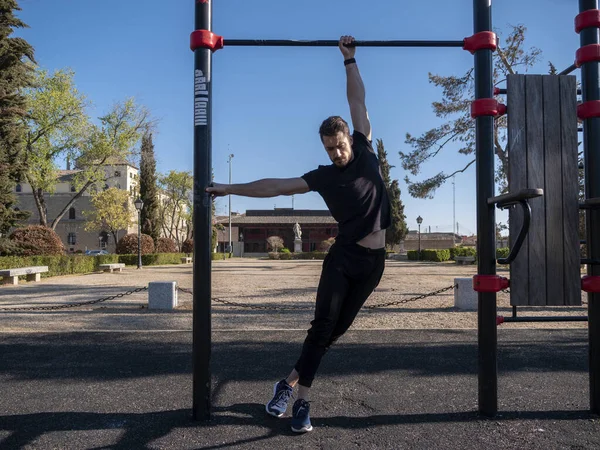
[
  {"x": 282, "y": 392},
  {"x": 301, "y": 417}
]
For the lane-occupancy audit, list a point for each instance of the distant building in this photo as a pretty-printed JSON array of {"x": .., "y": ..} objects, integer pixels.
[
  {"x": 121, "y": 175},
  {"x": 251, "y": 230},
  {"x": 431, "y": 241}
]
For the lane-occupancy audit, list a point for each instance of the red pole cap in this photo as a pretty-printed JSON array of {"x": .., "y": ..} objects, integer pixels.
[
  {"x": 487, "y": 107},
  {"x": 490, "y": 283},
  {"x": 587, "y": 53},
  {"x": 587, "y": 19},
  {"x": 589, "y": 109},
  {"x": 484, "y": 40},
  {"x": 205, "y": 39},
  {"x": 590, "y": 284}
]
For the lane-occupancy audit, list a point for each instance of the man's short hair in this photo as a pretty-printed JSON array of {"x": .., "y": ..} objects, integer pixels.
[{"x": 334, "y": 125}]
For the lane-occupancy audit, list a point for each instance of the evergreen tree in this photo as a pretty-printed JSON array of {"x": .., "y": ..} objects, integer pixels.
[
  {"x": 149, "y": 189},
  {"x": 398, "y": 230},
  {"x": 15, "y": 75}
]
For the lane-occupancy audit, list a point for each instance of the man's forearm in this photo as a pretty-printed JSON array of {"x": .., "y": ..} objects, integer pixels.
[
  {"x": 268, "y": 187},
  {"x": 355, "y": 87}
]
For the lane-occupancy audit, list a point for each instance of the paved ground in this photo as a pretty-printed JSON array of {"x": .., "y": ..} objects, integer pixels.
[{"x": 115, "y": 375}]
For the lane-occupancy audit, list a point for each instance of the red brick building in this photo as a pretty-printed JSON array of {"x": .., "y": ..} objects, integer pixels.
[{"x": 253, "y": 228}]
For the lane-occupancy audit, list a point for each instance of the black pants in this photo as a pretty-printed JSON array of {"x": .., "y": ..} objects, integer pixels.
[{"x": 350, "y": 274}]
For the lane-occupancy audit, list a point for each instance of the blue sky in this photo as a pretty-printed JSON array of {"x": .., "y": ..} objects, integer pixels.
[{"x": 269, "y": 102}]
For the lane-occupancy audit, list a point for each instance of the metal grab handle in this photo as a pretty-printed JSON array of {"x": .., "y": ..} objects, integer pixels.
[{"x": 522, "y": 234}]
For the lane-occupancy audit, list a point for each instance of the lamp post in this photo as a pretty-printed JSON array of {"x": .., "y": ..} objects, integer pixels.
[
  {"x": 229, "y": 249},
  {"x": 419, "y": 221},
  {"x": 139, "y": 204}
]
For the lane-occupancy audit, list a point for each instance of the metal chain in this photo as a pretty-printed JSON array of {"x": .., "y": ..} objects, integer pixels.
[
  {"x": 74, "y": 305},
  {"x": 412, "y": 299},
  {"x": 283, "y": 308}
]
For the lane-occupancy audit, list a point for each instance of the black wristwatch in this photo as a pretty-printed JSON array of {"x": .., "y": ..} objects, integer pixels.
[{"x": 349, "y": 61}]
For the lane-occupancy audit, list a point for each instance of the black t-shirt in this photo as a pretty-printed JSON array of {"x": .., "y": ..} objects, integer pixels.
[{"x": 356, "y": 194}]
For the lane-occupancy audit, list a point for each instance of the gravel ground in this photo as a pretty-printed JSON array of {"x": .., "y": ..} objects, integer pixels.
[{"x": 289, "y": 287}]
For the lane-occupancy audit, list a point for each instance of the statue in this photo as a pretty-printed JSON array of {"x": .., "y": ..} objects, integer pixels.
[{"x": 297, "y": 231}]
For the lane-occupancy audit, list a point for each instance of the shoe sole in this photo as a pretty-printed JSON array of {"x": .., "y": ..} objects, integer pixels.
[
  {"x": 274, "y": 414},
  {"x": 303, "y": 429}
]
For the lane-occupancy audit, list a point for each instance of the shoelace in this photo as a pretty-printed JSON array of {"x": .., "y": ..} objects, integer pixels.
[{"x": 282, "y": 397}]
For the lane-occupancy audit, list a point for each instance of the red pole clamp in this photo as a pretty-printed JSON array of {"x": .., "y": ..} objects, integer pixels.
[
  {"x": 205, "y": 39},
  {"x": 587, "y": 19},
  {"x": 499, "y": 320},
  {"x": 487, "y": 107},
  {"x": 490, "y": 283},
  {"x": 587, "y": 53},
  {"x": 589, "y": 109},
  {"x": 484, "y": 40},
  {"x": 590, "y": 284}
]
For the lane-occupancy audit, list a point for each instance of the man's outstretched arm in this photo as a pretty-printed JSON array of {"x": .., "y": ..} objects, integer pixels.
[
  {"x": 268, "y": 187},
  {"x": 355, "y": 90}
]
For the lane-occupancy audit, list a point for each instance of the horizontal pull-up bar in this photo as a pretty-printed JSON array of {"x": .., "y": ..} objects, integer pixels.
[
  {"x": 332, "y": 43},
  {"x": 484, "y": 40}
]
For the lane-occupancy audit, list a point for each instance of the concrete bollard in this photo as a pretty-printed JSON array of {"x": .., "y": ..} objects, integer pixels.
[
  {"x": 465, "y": 297},
  {"x": 162, "y": 295}
]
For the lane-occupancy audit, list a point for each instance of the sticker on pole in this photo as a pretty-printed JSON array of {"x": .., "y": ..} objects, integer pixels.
[{"x": 200, "y": 99}]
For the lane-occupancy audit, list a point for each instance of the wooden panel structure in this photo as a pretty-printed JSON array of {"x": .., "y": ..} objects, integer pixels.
[{"x": 542, "y": 149}]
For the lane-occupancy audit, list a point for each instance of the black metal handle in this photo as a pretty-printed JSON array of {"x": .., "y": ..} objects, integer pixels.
[{"x": 522, "y": 234}]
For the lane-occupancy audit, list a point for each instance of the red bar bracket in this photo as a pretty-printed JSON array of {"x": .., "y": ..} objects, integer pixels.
[
  {"x": 499, "y": 320},
  {"x": 587, "y": 53},
  {"x": 487, "y": 107},
  {"x": 490, "y": 283},
  {"x": 205, "y": 39},
  {"x": 484, "y": 40},
  {"x": 590, "y": 284},
  {"x": 587, "y": 19},
  {"x": 589, "y": 109}
]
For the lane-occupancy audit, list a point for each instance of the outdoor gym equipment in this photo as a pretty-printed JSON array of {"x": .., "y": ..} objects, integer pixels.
[{"x": 485, "y": 109}]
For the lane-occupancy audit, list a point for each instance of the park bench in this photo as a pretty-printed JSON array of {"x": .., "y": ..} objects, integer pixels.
[
  {"x": 11, "y": 276},
  {"x": 112, "y": 266},
  {"x": 462, "y": 260},
  {"x": 186, "y": 260}
]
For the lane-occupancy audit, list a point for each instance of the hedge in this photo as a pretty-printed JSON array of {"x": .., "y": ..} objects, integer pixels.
[
  {"x": 78, "y": 264},
  {"x": 219, "y": 256},
  {"x": 463, "y": 251}
]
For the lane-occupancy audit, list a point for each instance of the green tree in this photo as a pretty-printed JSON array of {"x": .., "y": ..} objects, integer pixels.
[
  {"x": 16, "y": 58},
  {"x": 398, "y": 230},
  {"x": 176, "y": 205},
  {"x": 149, "y": 188},
  {"x": 112, "y": 212},
  {"x": 56, "y": 123},
  {"x": 457, "y": 95}
]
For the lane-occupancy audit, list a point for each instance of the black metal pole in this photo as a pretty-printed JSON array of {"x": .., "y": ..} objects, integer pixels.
[
  {"x": 335, "y": 43},
  {"x": 568, "y": 70},
  {"x": 139, "y": 239},
  {"x": 486, "y": 220},
  {"x": 202, "y": 219},
  {"x": 547, "y": 319},
  {"x": 420, "y": 242},
  {"x": 590, "y": 87}
]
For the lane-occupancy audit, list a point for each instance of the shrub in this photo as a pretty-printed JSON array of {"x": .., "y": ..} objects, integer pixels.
[
  {"x": 273, "y": 255},
  {"x": 413, "y": 255},
  {"x": 285, "y": 250},
  {"x": 188, "y": 246},
  {"x": 502, "y": 252},
  {"x": 465, "y": 251},
  {"x": 219, "y": 256},
  {"x": 129, "y": 245},
  {"x": 285, "y": 255},
  {"x": 166, "y": 245},
  {"x": 275, "y": 243},
  {"x": 37, "y": 240},
  {"x": 324, "y": 246},
  {"x": 309, "y": 255}
]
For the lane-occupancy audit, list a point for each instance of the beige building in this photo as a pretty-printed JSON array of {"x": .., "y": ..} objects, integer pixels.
[{"x": 71, "y": 227}]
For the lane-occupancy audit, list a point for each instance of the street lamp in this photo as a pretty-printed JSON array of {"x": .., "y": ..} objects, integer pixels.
[
  {"x": 139, "y": 204},
  {"x": 230, "y": 243},
  {"x": 419, "y": 221}
]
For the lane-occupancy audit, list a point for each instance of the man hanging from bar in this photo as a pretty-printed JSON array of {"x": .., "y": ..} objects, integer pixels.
[{"x": 354, "y": 191}]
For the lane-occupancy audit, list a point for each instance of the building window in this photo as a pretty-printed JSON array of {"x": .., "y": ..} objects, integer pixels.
[
  {"x": 106, "y": 186},
  {"x": 117, "y": 173},
  {"x": 130, "y": 174},
  {"x": 72, "y": 238},
  {"x": 118, "y": 185},
  {"x": 72, "y": 214},
  {"x": 72, "y": 188},
  {"x": 19, "y": 188}
]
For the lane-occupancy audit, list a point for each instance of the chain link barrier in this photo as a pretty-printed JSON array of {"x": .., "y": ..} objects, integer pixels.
[
  {"x": 292, "y": 308},
  {"x": 75, "y": 305}
]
